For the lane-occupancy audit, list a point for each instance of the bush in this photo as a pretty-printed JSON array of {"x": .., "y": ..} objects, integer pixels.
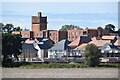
[{"x": 92, "y": 55}]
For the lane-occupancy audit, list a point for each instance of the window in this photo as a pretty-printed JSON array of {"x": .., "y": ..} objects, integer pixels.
[
  {"x": 37, "y": 34},
  {"x": 72, "y": 33},
  {"x": 50, "y": 34},
  {"x": 44, "y": 34},
  {"x": 77, "y": 33},
  {"x": 84, "y": 33}
]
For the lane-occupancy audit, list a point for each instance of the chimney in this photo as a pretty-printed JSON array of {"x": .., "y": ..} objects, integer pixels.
[{"x": 39, "y": 14}]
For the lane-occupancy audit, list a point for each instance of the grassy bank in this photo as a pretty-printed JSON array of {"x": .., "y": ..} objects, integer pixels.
[
  {"x": 64, "y": 65},
  {"x": 55, "y": 65},
  {"x": 60, "y": 65}
]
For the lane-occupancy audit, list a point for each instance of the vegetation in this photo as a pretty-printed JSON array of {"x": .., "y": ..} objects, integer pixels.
[
  {"x": 11, "y": 44},
  {"x": 110, "y": 27},
  {"x": 70, "y": 27},
  {"x": 54, "y": 65},
  {"x": 25, "y": 65},
  {"x": 92, "y": 55}
]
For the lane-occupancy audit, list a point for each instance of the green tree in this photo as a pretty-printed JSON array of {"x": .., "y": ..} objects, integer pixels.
[
  {"x": 70, "y": 27},
  {"x": 17, "y": 29},
  {"x": 8, "y": 28},
  {"x": 110, "y": 27},
  {"x": 11, "y": 44},
  {"x": 92, "y": 55}
]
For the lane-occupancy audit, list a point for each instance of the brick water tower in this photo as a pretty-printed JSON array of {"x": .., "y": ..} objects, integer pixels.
[{"x": 39, "y": 22}]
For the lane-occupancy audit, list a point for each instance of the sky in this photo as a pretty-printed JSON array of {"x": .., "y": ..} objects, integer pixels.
[{"x": 83, "y": 14}]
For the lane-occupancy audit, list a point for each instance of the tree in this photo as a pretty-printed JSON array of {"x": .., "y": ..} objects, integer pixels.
[
  {"x": 70, "y": 27},
  {"x": 110, "y": 27},
  {"x": 8, "y": 28},
  {"x": 17, "y": 29},
  {"x": 11, "y": 44},
  {"x": 1, "y": 26},
  {"x": 92, "y": 55}
]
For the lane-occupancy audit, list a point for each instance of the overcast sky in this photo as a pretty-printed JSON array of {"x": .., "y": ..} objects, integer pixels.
[{"x": 83, "y": 14}]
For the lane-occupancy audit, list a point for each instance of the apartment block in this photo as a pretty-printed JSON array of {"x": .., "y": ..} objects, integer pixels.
[
  {"x": 56, "y": 36},
  {"x": 74, "y": 34},
  {"x": 99, "y": 32}
]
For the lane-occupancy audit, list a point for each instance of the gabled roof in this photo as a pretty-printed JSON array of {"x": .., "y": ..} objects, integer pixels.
[
  {"x": 108, "y": 37},
  {"x": 80, "y": 40},
  {"x": 95, "y": 38},
  {"x": 110, "y": 45},
  {"x": 62, "y": 45},
  {"x": 99, "y": 43},
  {"x": 28, "y": 48},
  {"x": 45, "y": 45},
  {"x": 29, "y": 41},
  {"x": 117, "y": 43},
  {"x": 82, "y": 46}
]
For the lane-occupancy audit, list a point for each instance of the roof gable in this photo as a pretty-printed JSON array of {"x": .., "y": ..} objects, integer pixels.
[
  {"x": 62, "y": 45},
  {"x": 80, "y": 40},
  {"x": 109, "y": 46}
]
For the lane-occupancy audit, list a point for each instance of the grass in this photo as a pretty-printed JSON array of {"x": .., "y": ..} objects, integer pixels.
[
  {"x": 60, "y": 65},
  {"x": 54, "y": 65}
]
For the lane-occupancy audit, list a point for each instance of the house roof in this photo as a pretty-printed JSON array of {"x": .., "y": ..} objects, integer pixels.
[
  {"x": 111, "y": 47},
  {"x": 99, "y": 43},
  {"x": 117, "y": 43},
  {"x": 62, "y": 45},
  {"x": 29, "y": 41},
  {"x": 28, "y": 48},
  {"x": 95, "y": 38},
  {"x": 82, "y": 46},
  {"x": 45, "y": 45},
  {"x": 108, "y": 37},
  {"x": 79, "y": 40}
]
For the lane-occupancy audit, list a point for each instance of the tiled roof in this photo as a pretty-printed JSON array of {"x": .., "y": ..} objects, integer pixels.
[
  {"x": 95, "y": 38},
  {"x": 99, "y": 43},
  {"x": 80, "y": 40},
  {"x": 29, "y": 41},
  {"x": 117, "y": 43},
  {"x": 108, "y": 37},
  {"x": 74, "y": 43},
  {"x": 82, "y": 46}
]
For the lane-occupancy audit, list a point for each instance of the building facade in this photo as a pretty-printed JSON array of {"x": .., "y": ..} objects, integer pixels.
[
  {"x": 39, "y": 30},
  {"x": 99, "y": 32}
]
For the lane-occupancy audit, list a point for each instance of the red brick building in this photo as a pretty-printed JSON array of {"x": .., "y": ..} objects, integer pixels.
[
  {"x": 39, "y": 30},
  {"x": 39, "y": 22},
  {"x": 99, "y": 32},
  {"x": 56, "y": 36},
  {"x": 74, "y": 34}
]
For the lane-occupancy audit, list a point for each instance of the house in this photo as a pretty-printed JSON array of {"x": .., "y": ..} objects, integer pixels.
[
  {"x": 60, "y": 50},
  {"x": 110, "y": 52},
  {"x": 36, "y": 47},
  {"x": 99, "y": 43},
  {"x": 117, "y": 42},
  {"x": 78, "y": 41},
  {"x": 81, "y": 48},
  {"x": 111, "y": 38},
  {"x": 29, "y": 53}
]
